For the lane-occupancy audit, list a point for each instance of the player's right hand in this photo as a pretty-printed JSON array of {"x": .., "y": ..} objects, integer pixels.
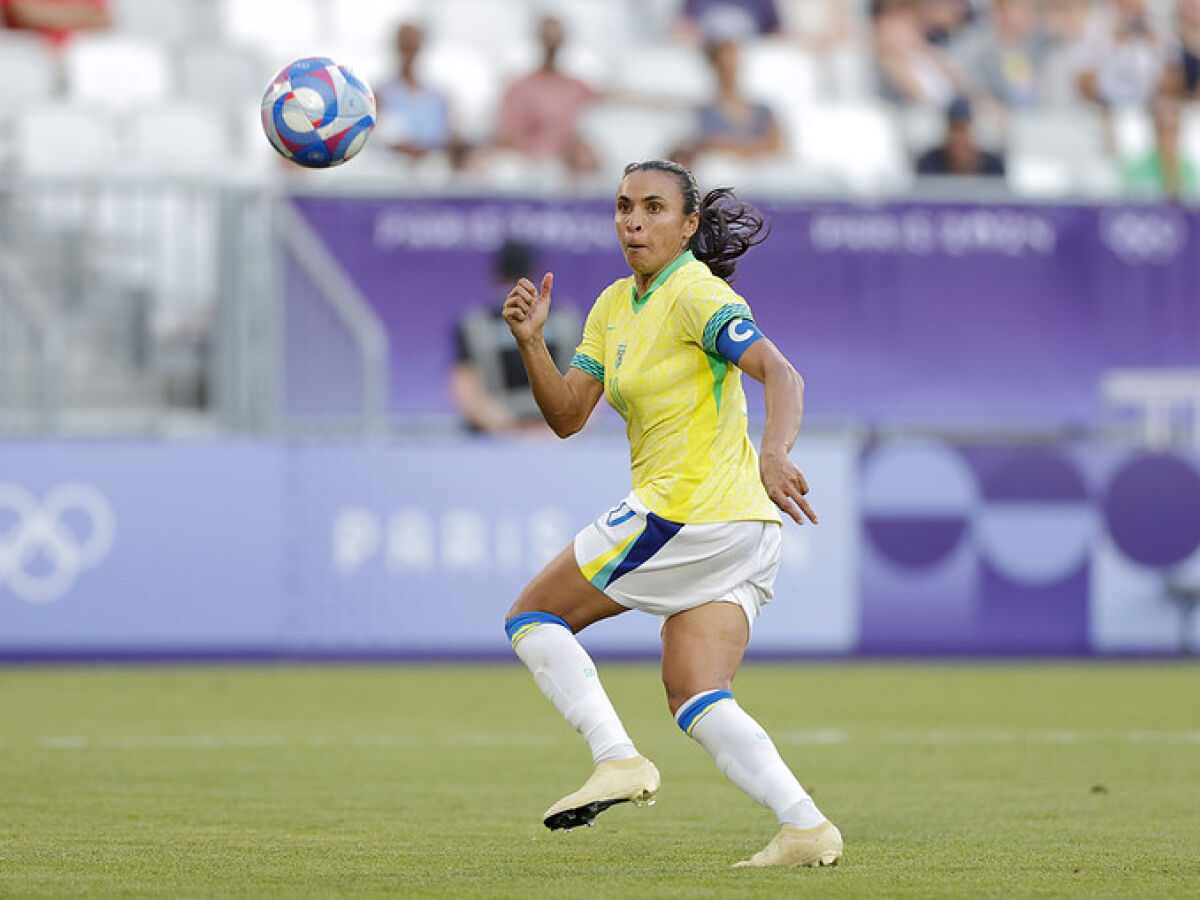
[{"x": 526, "y": 307}]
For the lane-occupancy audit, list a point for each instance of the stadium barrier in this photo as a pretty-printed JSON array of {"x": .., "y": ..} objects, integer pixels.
[{"x": 415, "y": 550}]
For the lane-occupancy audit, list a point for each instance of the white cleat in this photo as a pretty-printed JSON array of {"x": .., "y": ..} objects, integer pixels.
[
  {"x": 624, "y": 780},
  {"x": 819, "y": 846}
]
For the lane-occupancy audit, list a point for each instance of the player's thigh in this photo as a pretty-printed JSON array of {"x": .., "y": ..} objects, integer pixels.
[
  {"x": 702, "y": 650},
  {"x": 561, "y": 590}
]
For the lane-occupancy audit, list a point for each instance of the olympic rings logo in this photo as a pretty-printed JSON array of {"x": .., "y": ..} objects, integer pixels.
[
  {"x": 44, "y": 546},
  {"x": 1144, "y": 236}
]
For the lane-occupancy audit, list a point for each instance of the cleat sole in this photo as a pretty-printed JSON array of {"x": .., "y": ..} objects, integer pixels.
[{"x": 580, "y": 815}]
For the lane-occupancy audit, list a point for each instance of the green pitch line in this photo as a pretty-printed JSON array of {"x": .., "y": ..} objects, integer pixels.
[{"x": 946, "y": 780}]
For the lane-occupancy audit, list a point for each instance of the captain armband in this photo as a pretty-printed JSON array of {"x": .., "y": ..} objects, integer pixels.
[{"x": 735, "y": 337}]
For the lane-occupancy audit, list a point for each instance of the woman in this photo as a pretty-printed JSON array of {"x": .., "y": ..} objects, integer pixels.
[
  {"x": 697, "y": 541},
  {"x": 731, "y": 123}
]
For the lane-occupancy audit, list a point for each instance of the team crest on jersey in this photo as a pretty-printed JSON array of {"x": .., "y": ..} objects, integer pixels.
[{"x": 620, "y": 356}]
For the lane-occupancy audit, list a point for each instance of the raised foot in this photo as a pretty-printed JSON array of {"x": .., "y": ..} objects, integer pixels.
[{"x": 622, "y": 781}]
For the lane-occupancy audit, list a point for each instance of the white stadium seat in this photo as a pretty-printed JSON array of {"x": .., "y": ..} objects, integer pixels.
[
  {"x": 116, "y": 72},
  {"x": 779, "y": 73},
  {"x": 858, "y": 145},
  {"x": 222, "y": 75},
  {"x": 371, "y": 21},
  {"x": 181, "y": 139},
  {"x": 623, "y": 133},
  {"x": 55, "y": 140},
  {"x": 670, "y": 71},
  {"x": 486, "y": 25},
  {"x": 170, "y": 21},
  {"x": 470, "y": 78},
  {"x": 1132, "y": 132},
  {"x": 1060, "y": 151},
  {"x": 600, "y": 25},
  {"x": 282, "y": 30},
  {"x": 1189, "y": 137},
  {"x": 26, "y": 62}
]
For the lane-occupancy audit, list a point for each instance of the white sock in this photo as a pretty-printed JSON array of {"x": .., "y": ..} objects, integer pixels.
[
  {"x": 567, "y": 676},
  {"x": 747, "y": 757}
]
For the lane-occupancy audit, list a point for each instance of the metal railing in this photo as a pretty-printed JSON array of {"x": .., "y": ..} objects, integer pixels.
[{"x": 32, "y": 352}]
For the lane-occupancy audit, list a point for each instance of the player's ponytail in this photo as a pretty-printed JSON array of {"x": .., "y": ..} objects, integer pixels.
[{"x": 728, "y": 227}]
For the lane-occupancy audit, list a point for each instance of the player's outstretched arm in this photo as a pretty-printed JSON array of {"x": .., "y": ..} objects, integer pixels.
[
  {"x": 566, "y": 401},
  {"x": 784, "y": 391}
]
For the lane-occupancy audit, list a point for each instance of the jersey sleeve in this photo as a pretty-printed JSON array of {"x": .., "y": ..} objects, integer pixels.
[
  {"x": 589, "y": 355},
  {"x": 706, "y": 308}
]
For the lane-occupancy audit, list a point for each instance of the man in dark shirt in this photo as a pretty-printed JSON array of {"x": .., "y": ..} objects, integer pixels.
[
  {"x": 959, "y": 154},
  {"x": 488, "y": 383}
]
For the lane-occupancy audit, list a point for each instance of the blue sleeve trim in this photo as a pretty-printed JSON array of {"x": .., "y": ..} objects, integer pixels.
[
  {"x": 589, "y": 365},
  {"x": 719, "y": 320},
  {"x": 735, "y": 338}
]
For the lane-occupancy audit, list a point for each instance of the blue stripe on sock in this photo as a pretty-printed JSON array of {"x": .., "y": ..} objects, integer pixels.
[
  {"x": 694, "y": 711},
  {"x": 652, "y": 539},
  {"x": 519, "y": 626}
]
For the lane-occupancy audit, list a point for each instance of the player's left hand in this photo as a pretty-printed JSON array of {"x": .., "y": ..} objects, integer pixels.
[{"x": 786, "y": 486}]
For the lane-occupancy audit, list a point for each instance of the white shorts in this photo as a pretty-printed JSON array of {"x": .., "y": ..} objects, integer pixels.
[{"x": 645, "y": 562}]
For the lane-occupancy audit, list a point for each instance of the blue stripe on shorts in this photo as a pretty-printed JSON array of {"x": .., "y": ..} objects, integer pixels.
[{"x": 652, "y": 539}]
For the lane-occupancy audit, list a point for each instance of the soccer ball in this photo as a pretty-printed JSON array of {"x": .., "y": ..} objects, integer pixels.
[{"x": 317, "y": 113}]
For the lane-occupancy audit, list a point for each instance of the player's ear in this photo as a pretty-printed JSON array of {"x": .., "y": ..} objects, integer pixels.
[{"x": 690, "y": 225}]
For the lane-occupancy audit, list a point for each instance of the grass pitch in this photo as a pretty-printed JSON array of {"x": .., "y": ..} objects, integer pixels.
[{"x": 429, "y": 781}]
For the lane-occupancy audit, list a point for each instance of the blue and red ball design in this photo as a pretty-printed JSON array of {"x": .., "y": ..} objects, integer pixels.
[{"x": 317, "y": 113}]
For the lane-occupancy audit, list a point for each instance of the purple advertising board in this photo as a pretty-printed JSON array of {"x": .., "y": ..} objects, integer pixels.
[
  {"x": 945, "y": 315},
  {"x": 417, "y": 549},
  {"x": 140, "y": 548}
]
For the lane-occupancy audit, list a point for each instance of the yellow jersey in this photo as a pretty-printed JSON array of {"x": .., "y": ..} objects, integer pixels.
[{"x": 682, "y": 401}]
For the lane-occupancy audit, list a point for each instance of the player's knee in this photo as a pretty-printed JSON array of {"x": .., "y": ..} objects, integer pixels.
[{"x": 682, "y": 689}]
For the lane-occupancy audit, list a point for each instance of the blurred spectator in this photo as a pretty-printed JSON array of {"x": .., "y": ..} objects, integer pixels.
[
  {"x": 705, "y": 21},
  {"x": 943, "y": 20},
  {"x": 1163, "y": 171},
  {"x": 1123, "y": 61},
  {"x": 911, "y": 70},
  {"x": 819, "y": 26},
  {"x": 488, "y": 383},
  {"x": 959, "y": 153},
  {"x": 414, "y": 119},
  {"x": 539, "y": 113},
  {"x": 731, "y": 123},
  {"x": 1004, "y": 57},
  {"x": 57, "y": 20},
  {"x": 1183, "y": 71}
]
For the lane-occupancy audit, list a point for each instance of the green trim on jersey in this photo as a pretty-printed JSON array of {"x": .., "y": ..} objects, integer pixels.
[
  {"x": 719, "y": 365},
  {"x": 587, "y": 364},
  {"x": 681, "y": 260}
]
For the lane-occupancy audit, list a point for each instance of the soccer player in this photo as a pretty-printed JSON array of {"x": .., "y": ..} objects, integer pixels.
[{"x": 697, "y": 541}]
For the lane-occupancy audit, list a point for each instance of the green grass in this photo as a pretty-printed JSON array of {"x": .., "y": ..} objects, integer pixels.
[{"x": 946, "y": 780}]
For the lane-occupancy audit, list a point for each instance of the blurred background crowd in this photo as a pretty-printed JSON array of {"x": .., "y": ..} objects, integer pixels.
[
  {"x": 141, "y": 233},
  {"x": 1041, "y": 98}
]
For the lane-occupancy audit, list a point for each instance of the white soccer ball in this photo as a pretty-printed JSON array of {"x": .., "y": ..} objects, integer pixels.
[{"x": 317, "y": 113}]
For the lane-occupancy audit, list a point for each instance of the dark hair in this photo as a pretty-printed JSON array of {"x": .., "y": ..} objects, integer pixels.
[{"x": 728, "y": 227}]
